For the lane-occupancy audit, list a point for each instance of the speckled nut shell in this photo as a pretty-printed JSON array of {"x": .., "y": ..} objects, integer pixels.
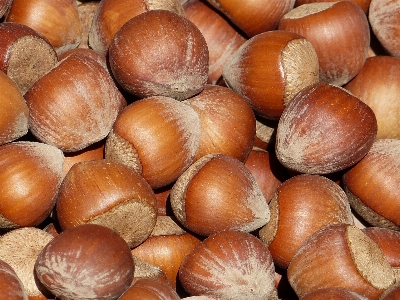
[
  {"x": 86, "y": 262},
  {"x": 10, "y": 285},
  {"x": 20, "y": 248},
  {"x": 30, "y": 177},
  {"x": 229, "y": 265},
  {"x": 57, "y": 20},
  {"x": 324, "y": 129},
  {"x": 340, "y": 255},
  {"x": 110, "y": 15},
  {"x": 107, "y": 193},
  {"x": 159, "y": 53},
  {"x": 216, "y": 193},
  {"x": 372, "y": 185},
  {"x": 74, "y": 105},
  {"x": 270, "y": 68},
  {"x": 227, "y": 122},
  {"x": 157, "y": 137},
  {"x": 13, "y": 111}
]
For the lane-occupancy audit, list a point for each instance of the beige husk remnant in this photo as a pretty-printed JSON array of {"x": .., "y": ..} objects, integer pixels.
[
  {"x": 20, "y": 248},
  {"x": 133, "y": 220},
  {"x": 300, "y": 65},
  {"x": 29, "y": 59},
  {"x": 369, "y": 259},
  {"x": 367, "y": 213},
  {"x": 307, "y": 9},
  {"x": 178, "y": 191},
  {"x": 268, "y": 232},
  {"x": 171, "y": 5},
  {"x": 120, "y": 150},
  {"x": 165, "y": 225}
]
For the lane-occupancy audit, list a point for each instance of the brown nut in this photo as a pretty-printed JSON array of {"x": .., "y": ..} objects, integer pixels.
[
  {"x": 254, "y": 17},
  {"x": 30, "y": 177},
  {"x": 86, "y": 262},
  {"x": 222, "y": 38},
  {"x": 149, "y": 289},
  {"x": 389, "y": 242},
  {"x": 372, "y": 185},
  {"x": 166, "y": 247},
  {"x": 302, "y": 205},
  {"x": 267, "y": 171},
  {"x": 10, "y": 285},
  {"x": 383, "y": 16},
  {"x": 107, "y": 193},
  {"x": 156, "y": 136},
  {"x": 377, "y": 86},
  {"x": 340, "y": 255},
  {"x": 229, "y": 265},
  {"x": 227, "y": 122},
  {"x": 270, "y": 68},
  {"x": 216, "y": 193},
  {"x": 324, "y": 129},
  {"x": 339, "y": 33},
  {"x": 159, "y": 52},
  {"x": 74, "y": 105},
  {"x": 14, "y": 112},
  {"x": 364, "y": 4}
]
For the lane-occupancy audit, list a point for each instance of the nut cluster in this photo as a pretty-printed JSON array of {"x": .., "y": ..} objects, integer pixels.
[{"x": 199, "y": 149}]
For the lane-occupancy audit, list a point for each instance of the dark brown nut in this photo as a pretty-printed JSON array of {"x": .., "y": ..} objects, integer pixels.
[
  {"x": 86, "y": 262},
  {"x": 162, "y": 53},
  {"x": 324, "y": 129}
]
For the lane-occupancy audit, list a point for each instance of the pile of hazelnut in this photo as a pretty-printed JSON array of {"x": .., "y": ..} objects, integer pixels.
[{"x": 199, "y": 149}]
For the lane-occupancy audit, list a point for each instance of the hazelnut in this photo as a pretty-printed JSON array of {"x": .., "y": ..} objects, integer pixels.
[
  {"x": 20, "y": 248},
  {"x": 288, "y": 60},
  {"x": 4, "y": 7},
  {"x": 30, "y": 177},
  {"x": 156, "y": 136},
  {"x": 324, "y": 129},
  {"x": 267, "y": 171},
  {"x": 166, "y": 247},
  {"x": 222, "y": 38},
  {"x": 14, "y": 112},
  {"x": 389, "y": 242},
  {"x": 339, "y": 33},
  {"x": 333, "y": 293},
  {"x": 382, "y": 16},
  {"x": 25, "y": 55},
  {"x": 301, "y": 206},
  {"x": 218, "y": 192},
  {"x": 86, "y": 262},
  {"x": 364, "y": 4},
  {"x": 340, "y": 255},
  {"x": 377, "y": 86},
  {"x": 227, "y": 122},
  {"x": 372, "y": 184},
  {"x": 254, "y": 17},
  {"x": 229, "y": 265},
  {"x": 159, "y": 52},
  {"x": 10, "y": 285},
  {"x": 74, "y": 105},
  {"x": 149, "y": 289},
  {"x": 107, "y": 193}
]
